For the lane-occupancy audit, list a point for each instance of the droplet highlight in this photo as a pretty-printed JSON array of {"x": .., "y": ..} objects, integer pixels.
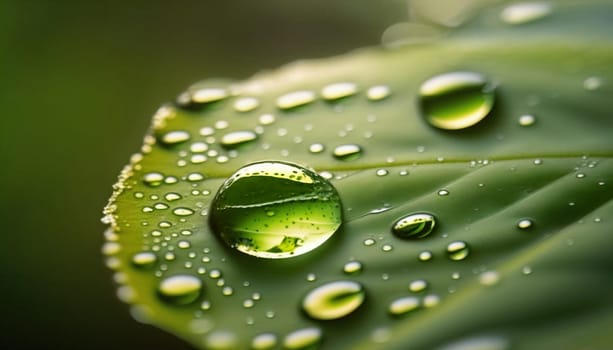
[
  {"x": 295, "y": 99},
  {"x": 525, "y": 12},
  {"x": 180, "y": 289},
  {"x": 347, "y": 152},
  {"x": 457, "y": 250},
  {"x": 417, "y": 225},
  {"x": 333, "y": 300}
]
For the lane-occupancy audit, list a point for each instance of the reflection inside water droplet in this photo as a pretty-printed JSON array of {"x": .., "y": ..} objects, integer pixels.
[
  {"x": 416, "y": 225},
  {"x": 333, "y": 300}
]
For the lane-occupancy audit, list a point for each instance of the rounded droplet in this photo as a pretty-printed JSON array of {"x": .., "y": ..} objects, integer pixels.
[
  {"x": 416, "y": 225},
  {"x": 237, "y": 138},
  {"x": 172, "y": 196},
  {"x": 306, "y": 338},
  {"x": 180, "y": 289},
  {"x": 443, "y": 193},
  {"x": 348, "y": 152},
  {"x": 456, "y": 100},
  {"x": 246, "y": 104},
  {"x": 526, "y": 120},
  {"x": 524, "y": 224},
  {"x": 144, "y": 260},
  {"x": 457, "y": 250},
  {"x": 295, "y": 99},
  {"x": 378, "y": 92},
  {"x": 426, "y": 255},
  {"x": 352, "y": 267},
  {"x": 418, "y": 286},
  {"x": 182, "y": 211},
  {"x": 525, "y": 12},
  {"x": 592, "y": 83},
  {"x": 489, "y": 278},
  {"x": 333, "y": 300},
  {"x": 403, "y": 305},
  {"x": 174, "y": 137},
  {"x": 208, "y": 95},
  {"x": 153, "y": 179},
  {"x": 264, "y": 341},
  {"x": 306, "y": 210},
  {"x": 338, "y": 90},
  {"x": 316, "y": 148}
]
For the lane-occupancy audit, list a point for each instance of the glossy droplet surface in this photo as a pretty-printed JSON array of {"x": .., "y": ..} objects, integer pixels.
[
  {"x": 295, "y": 99},
  {"x": 347, "y": 152},
  {"x": 275, "y": 210},
  {"x": 378, "y": 92},
  {"x": 144, "y": 259},
  {"x": 352, "y": 267},
  {"x": 457, "y": 250},
  {"x": 416, "y": 225},
  {"x": 403, "y": 305},
  {"x": 333, "y": 300},
  {"x": 174, "y": 137},
  {"x": 306, "y": 338},
  {"x": 338, "y": 90},
  {"x": 456, "y": 100},
  {"x": 524, "y": 224},
  {"x": 208, "y": 95},
  {"x": 180, "y": 289},
  {"x": 525, "y": 12},
  {"x": 237, "y": 138}
]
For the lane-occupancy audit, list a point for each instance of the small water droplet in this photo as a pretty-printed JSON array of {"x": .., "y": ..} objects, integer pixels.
[
  {"x": 303, "y": 339},
  {"x": 418, "y": 286},
  {"x": 338, "y": 90},
  {"x": 264, "y": 341},
  {"x": 153, "y": 179},
  {"x": 307, "y": 210},
  {"x": 333, "y": 300},
  {"x": 482, "y": 342},
  {"x": 489, "y": 278},
  {"x": 417, "y": 225},
  {"x": 580, "y": 175},
  {"x": 311, "y": 277},
  {"x": 382, "y": 172},
  {"x": 592, "y": 83},
  {"x": 172, "y": 196},
  {"x": 180, "y": 289},
  {"x": 174, "y": 137},
  {"x": 195, "y": 177},
  {"x": 526, "y": 270},
  {"x": 369, "y": 241},
  {"x": 347, "y": 152},
  {"x": 238, "y": 138},
  {"x": 144, "y": 260},
  {"x": 378, "y": 92},
  {"x": 387, "y": 248},
  {"x": 525, "y": 12},
  {"x": 537, "y": 161},
  {"x": 316, "y": 148},
  {"x": 246, "y": 104},
  {"x": 524, "y": 224},
  {"x": 295, "y": 99},
  {"x": 352, "y": 267},
  {"x": 431, "y": 300},
  {"x": 443, "y": 192},
  {"x": 403, "y": 305},
  {"x": 215, "y": 274},
  {"x": 227, "y": 291},
  {"x": 456, "y": 100},
  {"x": 182, "y": 211},
  {"x": 208, "y": 95},
  {"x": 526, "y": 120},
  {"x": 426, "y": 255},
  {"x": 455, "y": 275},
  {"x": 457, "y": 250}
]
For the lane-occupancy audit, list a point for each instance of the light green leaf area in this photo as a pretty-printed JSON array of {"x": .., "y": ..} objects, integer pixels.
[{"x": 531, "y": 201}]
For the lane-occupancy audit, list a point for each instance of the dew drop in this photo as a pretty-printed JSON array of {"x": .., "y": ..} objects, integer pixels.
[
  {"x": 144, "y": 260},
  {"x": 403, "y": 305},
  {"x": 526, "y": 120},
  {"x": 416, "y": 225},
  {"x": 524, "y": 224},
  {"x": 246, "y": 104},
  {"x": 347, "y": 152},
  {"x": 316, "y": 148},
  {"x": 456, "y": 100},
  {"x": 378, "y": 92},
  {"x": 443, "y": 192},
  {"x": 525, "y": 12},
  {"x": 537, "y": 161},
  {"x": 381, "y": 172},
  {"x": 237, "y": 138},
  {"x": 295, "y": 99},
  {"x": 457, "y": 250},
  {"x": 174, "y": 137},
  {"x": 302, "y": 339},
  {"x": 333, "y": 300},
  {"x": 526, "y": 270},
  {"x": 431, "y": 300},
  {"x": 195, "y": 177},
  {"x": 489, "y": 278},
  {"x": 338, "y": 90},
  {"x": 264, "y": 341},
  {"x": 172, "y": 196},
  {"x": 387, "y": 248},
  {"x": 182, "y": 211},
  {"x": 369, "y": 241},
  {"x": 418, "y": 286},
  {"x": 352, "y": 267},
  {"x": 426, "y": 255},
  {"x": 153, "y": 179},
  {"x": 208, "y": 95},
  {"x": 307, "y": 210},
  {"x": 180, "y": 289},
  {"x": 592, "y": 83}
]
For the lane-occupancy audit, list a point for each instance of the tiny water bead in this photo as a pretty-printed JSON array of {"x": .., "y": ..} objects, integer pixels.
[
  {"x": 264, "y": 341},
  {"x": 246, "y": 104},
  {"x": 174, "y": 137},
  {"x": 153, "y": 179},
  {"x": 338, "y": 90},
  {"x": 426, "y": 255},
  {"x": 347, "y": 152},
  {"x": 208, "y": 95},
  {"x": 378, "y": 92},
  {"x": 418, "y": 286},
  {"x": 144, "y": 259},
  {"x": 403, "y": 305},
  {"x": 457, "y": 250},
  {"x": 305, "y": 338},
  {"x": 275, "y": 209},
  {"x": 525, "y": 12},
  {"x": 352, "y": 267},
  {"x": 333, "y": 300},
  {"x": 295, "y": 99},
  {"x": 456, "y": 100},
  {"x": 524, "y": 224},
  {"x": 316, "y": 148},
  {"x": 526, "y": 120},
  {"x": 417, "y": 225},
  {"x": 237, "y": 138},
  {"x": 180, "y": 289}
]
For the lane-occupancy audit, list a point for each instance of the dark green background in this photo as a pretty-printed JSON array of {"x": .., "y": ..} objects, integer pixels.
[{"x": 79, "y": 82}]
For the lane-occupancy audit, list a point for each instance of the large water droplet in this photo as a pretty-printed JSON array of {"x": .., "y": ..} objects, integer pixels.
[
  {"x": 295, "y": 99},
  {"x": 456, "y": 100},
  {"x": 525, "y": 12},
  {"x": 180, "y": 289},
  {"x": 275, "y": 210},
  {"x": 457, "y": 250},
  {"x": 237, "y": 138},
  {"x": 348, "y": 152},
  {"x": 306, "y": 338},
  {"x": 333, "y": 300},
  {"x": 416, "y": 225}
]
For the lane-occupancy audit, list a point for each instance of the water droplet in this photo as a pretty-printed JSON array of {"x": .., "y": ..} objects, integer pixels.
[
  {"x": 338, "y": 90},
  {"x": 227, "y": 291},
  {"x": 144, "y": 260},
  {"x": 381, "y": 172},
  {"x": 418, "y": 286},
  {"x": 403, "y": 305},
  {"x": 306, "y": 338},
  {"x": 316, "y": 148},
  {"x": 592, "y": 83},
  {"x": 311, "y": 277},
  {"x": 264, "y": 341},
  {"x": 526, "y": 270},
  {"x": 537, "y": 161},
  {"x": 153, "y": 179},
  {"x": 352, "y": 267},
  {"x": 457, "y": 250},
  {"x": 525, "y": 12},
  {"x": 307, "y": 210},
  {"x": 524, "y": 224},
  {"x": 456, "y": 100},
  {"x": 237, "y": 138},
  {"x": 426, "y": 255},
  {"x": 387, "y": 247},
  {"x": 580, "y": 175},
  {"x": 180, "y": 289},
  {"x": 174, "y": 137},
  {"x": 416, "y": 225},
  {"x": 333, "y": 300},
  {"x": 369, "y": 241},
  {"x": 443, "y": 192},
  {"x": 455, "y": 276},
  {"x": 172, "y": 196},
  {"x": 295, "y": 99},
  {"x": 195, "y": 177},
  {"x": 182, "y": 211},
  {"x": 220, "y": 340},
  {"x": 526, "y": 120},
  {"x": 378, "y": 92},
  {"x": 246, "y": 104},
  {"x": 489, "y": 278},
  {"x": 208, "y": 95},
  {"x": 431, "y": 300},
  {"x": 347, "y": 152}
]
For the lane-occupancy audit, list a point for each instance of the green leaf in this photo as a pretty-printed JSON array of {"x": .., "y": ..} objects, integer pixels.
[{"x": 531, "y": 202}]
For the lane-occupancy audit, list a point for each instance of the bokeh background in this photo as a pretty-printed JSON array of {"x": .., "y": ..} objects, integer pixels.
[{"x": 79, "y": 82}]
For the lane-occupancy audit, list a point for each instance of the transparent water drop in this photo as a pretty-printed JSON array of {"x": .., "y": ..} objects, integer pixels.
[
  {"x": 295, "y": 99},
  {"x": 153, "y": 179},
  {"x": 246, "y": 104},
  {"x": 311, "y": 277},
  {"x": 347, "y": 152},
  {"x": 180, "y": 289},
  {"x": 381, "y": 172},
  {"x": 537, "y": 161},
  {"x": 378, "y": 92},
  {"x": 307, "y": 210},
  {"x": 369, "y": 241},
  {"x": 337, "y": 91},
  {"x": 172, "y": 196},
  {"x": 443, "y": 192},
  {"x": 333, "y": 300},
  {"x": 416, "y": 225},
  {"x": 316, "y": 148},
  {"x": 208, "y": 95},
  {"x": 352, "y": 267},
  {"x": 144, "y": 260},
  {"x": 236, "y": 139},
  {"x": 489, "y": 278},
  {"x": 221, "y": 340},
  {"x": 426, "y": 255},
  {"x": 526, "y": 120},
  {"x": 264, "y": 341},
  {"x": 174, "y": 137},
  {"x": 456, "y": 100},
  {"x": 431, "y": 300},
  {"x": 182, "y": 211},
  {"x": 387, "y": 247},
  {"x": 418, "y": 286},
  {"x": 403, "y": 305},
  {"x": 302, "y": 339},
  {"x": 525, "y": 12},
  {"x": 457, "y": 250},
  {"x": 524, "y": 224}
]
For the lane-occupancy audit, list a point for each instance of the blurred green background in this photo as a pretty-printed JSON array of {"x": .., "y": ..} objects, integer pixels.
[{"x": 79, "y": 82}]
